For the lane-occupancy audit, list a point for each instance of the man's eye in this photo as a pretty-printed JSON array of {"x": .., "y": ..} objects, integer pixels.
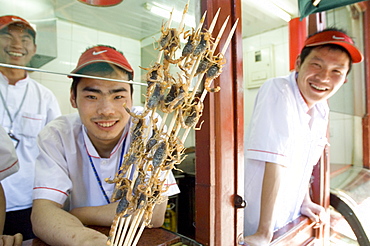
[
  {"x": 337, "y": 72},
  {"x": 91, "y": 97},
  {"x": 120, "y": 97},
  {"x": 26, "y": 40},
  {"x": 5, "y": 36}
]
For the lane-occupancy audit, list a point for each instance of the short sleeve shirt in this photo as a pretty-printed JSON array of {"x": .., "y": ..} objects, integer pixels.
[
  {"x": 282, "y": 132},
  {"x": 26, "y": 120},
  {"x": 64, "y": 169}
]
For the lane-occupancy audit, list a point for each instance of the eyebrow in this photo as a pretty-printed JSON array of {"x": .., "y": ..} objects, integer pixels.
[
  {"x": 322, "y": 60},
  {"x": 113, "y": 91}
]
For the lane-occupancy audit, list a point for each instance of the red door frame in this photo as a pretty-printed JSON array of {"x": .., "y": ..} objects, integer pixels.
[
  {"x": 366, "y": 118},
  {"x": 220, "y": 142}
]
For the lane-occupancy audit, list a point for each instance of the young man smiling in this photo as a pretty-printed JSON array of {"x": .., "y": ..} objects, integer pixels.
[
  {"x": 287, "y": 135},
  {"x": 79, "y": 151},
  {"x": 25, "y": 108}
]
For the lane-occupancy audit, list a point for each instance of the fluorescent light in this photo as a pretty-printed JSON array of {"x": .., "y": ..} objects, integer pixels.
[
  {"x": 164, "y": 11},
  {"x": 270, "y": 8}
]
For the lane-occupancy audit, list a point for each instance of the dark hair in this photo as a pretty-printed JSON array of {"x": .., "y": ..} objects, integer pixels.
[
  {"x": 30, "y": 32},
  {"x": 307, "y": 50},
  {"x": 99, "y": 69}
]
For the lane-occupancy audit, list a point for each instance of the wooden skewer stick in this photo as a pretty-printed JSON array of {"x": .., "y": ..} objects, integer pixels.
[
  {"x": 182, "y": 25},
  {"x": 124, "y": 234},
  {"x": 213, "y": 23},
  {"x": 227, "y": 42},
  {"x": 200, "y": 77},
  {"x": 199, "y": 27},
  {"x": 195, "y": 66},
  {"x": 204, "y": 93},
  {"x": 116, "y": 238},
  {"x": 133, "y": 228},
  {"x": 168, "y": 24},
  {"x": 133, "y": 233},
  {"x": 172, "y": 122},
  {"x": 185, "y": 135},
  {"x": 220, "y": 33},
  {"x": 116, "y": 225},
  {"x": 139, "y": 233}
]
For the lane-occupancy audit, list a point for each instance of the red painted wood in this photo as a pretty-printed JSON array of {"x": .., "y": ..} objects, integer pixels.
[
  {"x": 219, "y": 145},
  {"x": 366, "y": 118},
  {"x": 297, "y": 36}
]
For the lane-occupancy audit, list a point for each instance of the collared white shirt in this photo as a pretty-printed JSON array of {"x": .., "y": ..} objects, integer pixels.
[
  {"x": 63, "y": 168},
  {"x": 40, "y": 106},
  {"x": 9, "y": 160},
  {"x": 282, "y": 131}
]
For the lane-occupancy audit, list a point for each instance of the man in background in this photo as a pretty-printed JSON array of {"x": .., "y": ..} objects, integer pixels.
[
  {"x": 25, "y": 108},
  {"x": 287, "y": 136}
]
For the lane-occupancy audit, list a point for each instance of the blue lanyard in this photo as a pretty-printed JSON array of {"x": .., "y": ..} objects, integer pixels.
[{"x": 97, "y": 175}]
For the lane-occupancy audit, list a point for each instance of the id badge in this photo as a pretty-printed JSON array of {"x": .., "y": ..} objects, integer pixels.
[{"x": 14, "y": 139}]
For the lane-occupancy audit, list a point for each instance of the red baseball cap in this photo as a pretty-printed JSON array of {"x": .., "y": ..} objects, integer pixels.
[
  {"x": 6, "y": 20},
  {"x": 106, "y": 54},
  {"x": 338, "y": 38}
]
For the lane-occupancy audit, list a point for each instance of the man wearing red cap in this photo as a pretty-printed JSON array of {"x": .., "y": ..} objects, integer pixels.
[
  {"x": 25, "y": 108},
  {"x": 78, "y": 151},
  {"x": 287, "y": 135}
]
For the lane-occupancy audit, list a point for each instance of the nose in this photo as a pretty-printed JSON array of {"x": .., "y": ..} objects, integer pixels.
[
  {"x": 16, "y": 42},
  {"x": 324, "y": 75},
  {"x": 105, "y": 107}
]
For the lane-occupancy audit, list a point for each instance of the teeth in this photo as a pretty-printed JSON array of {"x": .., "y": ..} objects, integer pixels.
[
  {"x": 318, "y": 88},
  {"x": 15, "y": 54},
  {"x": 106, "y": 124}
]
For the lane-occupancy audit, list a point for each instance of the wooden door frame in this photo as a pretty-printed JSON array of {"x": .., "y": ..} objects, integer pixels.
[
  {"x": 220, "y": 142},
  {"x": 366, "y": 118}
]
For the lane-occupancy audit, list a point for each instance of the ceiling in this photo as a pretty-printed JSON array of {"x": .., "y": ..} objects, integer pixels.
[{"x": 131, "y": 19}]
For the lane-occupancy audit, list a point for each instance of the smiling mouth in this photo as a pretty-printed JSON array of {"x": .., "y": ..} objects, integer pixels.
[
  {"x": 106, "y": 124},
  {"x": 15, "y": 54},
  {"x": 318, "y": 88}
]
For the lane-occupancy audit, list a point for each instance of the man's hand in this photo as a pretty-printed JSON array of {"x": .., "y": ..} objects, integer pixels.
[
  {"x": 314, "y": 212},
  {"x": 256, "y": 240},
  {"x": 15, "y": 240}
]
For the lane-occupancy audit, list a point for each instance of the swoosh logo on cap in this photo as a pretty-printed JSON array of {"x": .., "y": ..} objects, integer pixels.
[
  {"x": 95, "y": 53},
  {"x": 335, "y": 37},
  {"x": 15, "y": 19}
]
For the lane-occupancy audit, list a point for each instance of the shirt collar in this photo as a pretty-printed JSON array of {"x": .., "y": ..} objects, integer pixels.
[{"x": 21, "y": 82}]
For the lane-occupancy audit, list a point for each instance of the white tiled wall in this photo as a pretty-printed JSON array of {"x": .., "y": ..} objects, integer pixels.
[
  {"x": 72, "y": 40},
  {"x": 278, "y": 38}
]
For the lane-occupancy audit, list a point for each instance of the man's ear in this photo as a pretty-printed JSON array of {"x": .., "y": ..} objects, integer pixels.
[
  {"x": 297, "y": 63},
  {"x": 72, "y": 99}
]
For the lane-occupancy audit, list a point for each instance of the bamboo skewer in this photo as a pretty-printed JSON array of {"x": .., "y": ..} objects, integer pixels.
[
  {"x": 204, "y": 93},
  {"x": 227, "y": 42},
  {"x": 128, "y": 229}
]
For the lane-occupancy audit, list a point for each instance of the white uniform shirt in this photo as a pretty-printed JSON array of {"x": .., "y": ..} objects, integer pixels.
[
  {"x": 40, "y": 106},
  {"x": 63, "y": 168},
  {"x": 282, "y": 132},
  {"x": 8, "y": 158}
]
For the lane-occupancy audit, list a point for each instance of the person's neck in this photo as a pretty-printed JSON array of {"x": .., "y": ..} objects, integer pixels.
[
  {"x": 104, "y": 150},
  {"x": 13, "y": 74},
  {"x": 104, "y": 147}
]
